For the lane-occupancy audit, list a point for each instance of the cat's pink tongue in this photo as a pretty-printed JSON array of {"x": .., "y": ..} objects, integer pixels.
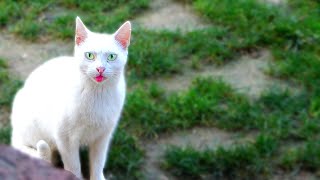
[{"x": 99, "y": 78}]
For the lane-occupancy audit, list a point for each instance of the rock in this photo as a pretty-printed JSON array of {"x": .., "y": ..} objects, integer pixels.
[{"x": 16, "y": 165}]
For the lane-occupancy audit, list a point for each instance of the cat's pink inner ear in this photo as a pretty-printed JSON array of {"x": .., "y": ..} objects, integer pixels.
[
  {"x": 81, "y": 32},
  {"x": 123, "y": 35}
]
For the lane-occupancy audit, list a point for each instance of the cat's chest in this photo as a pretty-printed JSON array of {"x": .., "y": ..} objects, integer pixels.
[
  {"x": 95, "y": 115},
  {"x": 98, "y": 107}
]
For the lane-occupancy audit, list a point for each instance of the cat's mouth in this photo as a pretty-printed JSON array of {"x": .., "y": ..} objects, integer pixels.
[{"x": 99, "y": 78}]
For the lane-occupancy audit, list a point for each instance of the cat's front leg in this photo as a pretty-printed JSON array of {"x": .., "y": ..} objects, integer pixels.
[
  {"x": 69, "y": 151},
  {"x": 98, "y": 154}
]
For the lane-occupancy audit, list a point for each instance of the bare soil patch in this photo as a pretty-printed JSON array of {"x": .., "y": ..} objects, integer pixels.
[
  {"x": 298, "y": 175},
  {"x": 275, "y": 1},
  {"x": 24, "y": 56},
  {"x": 170, "y": 15}
]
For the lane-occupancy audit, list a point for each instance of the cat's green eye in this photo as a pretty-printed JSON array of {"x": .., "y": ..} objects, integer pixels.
[
  {"x": 89, "y": 55},
  {"x": 112, "y": 57}
]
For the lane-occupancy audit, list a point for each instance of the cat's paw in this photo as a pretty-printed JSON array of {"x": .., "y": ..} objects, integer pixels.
[
  {"x": 101, "y": 177},
  {"x": 44, "y": 150}
]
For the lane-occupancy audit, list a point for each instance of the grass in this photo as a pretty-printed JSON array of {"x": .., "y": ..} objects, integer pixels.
[
  {"x": 125, "y": 157},
  {"x": 252, "y": 160},
  {"x": 8, "y": 85},
  {"x": 240, "y": 27},
  {"x": 5, "y": 135},
  {"x": 238, "y": 162},
  {"x": 282, "y": 118},
  {"x": 35, "y": 19},
  {"x": 209, "y": 102},
  {"x": 306, "y": 157},
  {"x": 293, "y": 34},
  {"x": 160, "y": 60}
]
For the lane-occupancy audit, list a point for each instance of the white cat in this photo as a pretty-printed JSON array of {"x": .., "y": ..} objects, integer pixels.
[{"x": 69, "y": 102}]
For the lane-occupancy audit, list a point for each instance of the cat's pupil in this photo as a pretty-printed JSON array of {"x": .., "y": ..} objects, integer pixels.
[
  {"x": 112, "y": 57},
  {"x": 89, "y": 56}
]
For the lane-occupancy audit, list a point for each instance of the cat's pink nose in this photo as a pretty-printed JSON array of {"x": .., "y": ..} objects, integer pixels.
[{"x": 100, "y": 69}]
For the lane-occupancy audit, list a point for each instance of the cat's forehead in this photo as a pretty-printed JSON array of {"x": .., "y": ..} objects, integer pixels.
[{"x": 101, "y": 43}]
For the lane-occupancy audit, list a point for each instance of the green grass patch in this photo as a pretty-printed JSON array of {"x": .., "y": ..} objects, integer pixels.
[
  {"x": 208, "y": 102},
  {"x": 154, "y": 54},
  {"x": 258, "y": 160},
  {"x": 156, "y": 113},
  {"x": 125, "y": 157},
  {"x": 306, "y": 157},
  {"x": 8, "y": 85},
  {"x": 211, "y": 102},
  {"x": 238, "y": 162},
  {"x": 286, "y": 114},
  {"x": 5, "y": 135}
]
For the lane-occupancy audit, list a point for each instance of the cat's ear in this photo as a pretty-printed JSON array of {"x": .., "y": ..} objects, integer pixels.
[
  {"x": 123, "y": 34},
  {"x": 81, "y": 32}
]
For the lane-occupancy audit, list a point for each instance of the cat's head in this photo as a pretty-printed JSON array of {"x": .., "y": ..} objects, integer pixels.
[{"x": 102, "y": 56}]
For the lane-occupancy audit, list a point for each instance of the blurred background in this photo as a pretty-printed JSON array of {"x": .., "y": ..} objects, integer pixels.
[{"x": 217, "y": 89}]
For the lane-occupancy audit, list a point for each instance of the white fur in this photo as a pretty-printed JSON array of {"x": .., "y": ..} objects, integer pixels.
[{"x": 61, "y": 106}]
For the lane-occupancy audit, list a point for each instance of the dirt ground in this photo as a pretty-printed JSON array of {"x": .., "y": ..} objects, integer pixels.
[
  {"x": 24, "y": 56},
  {"x": 169, "y": 15}
]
